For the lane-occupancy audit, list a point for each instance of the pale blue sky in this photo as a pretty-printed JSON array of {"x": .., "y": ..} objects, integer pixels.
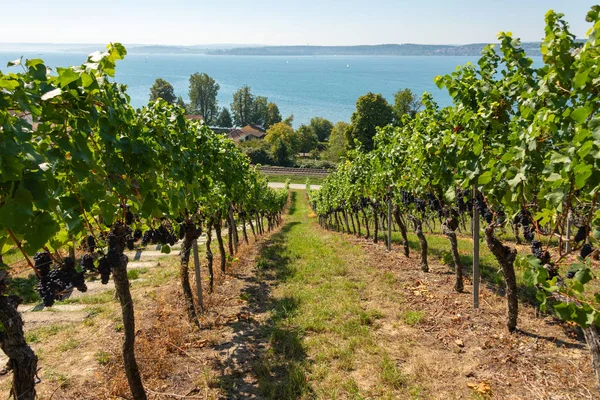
[{"x": 315, "y": 22}]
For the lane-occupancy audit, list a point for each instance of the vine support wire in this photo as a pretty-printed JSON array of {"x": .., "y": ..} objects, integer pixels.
[{"x": 476, "y": 274}]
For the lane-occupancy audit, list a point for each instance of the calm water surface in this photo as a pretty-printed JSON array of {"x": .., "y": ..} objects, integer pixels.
[{"x": 326, "y": 86}]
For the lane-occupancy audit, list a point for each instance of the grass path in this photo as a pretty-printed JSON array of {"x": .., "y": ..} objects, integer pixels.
[{"x": 321, "y": 329}]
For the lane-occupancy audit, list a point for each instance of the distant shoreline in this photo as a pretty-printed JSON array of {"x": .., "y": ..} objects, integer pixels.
[{"x": 532, "y": 49}]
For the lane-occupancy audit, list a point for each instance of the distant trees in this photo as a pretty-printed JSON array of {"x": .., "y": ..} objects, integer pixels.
[
  {"x": 283, "y": 141},
  {"x": 321, "y": 128},
  {"x": 307, "y": 139},
  {"x": 273, "y": 115},
  {"x": 242, "y": 106},
  {"x": 203, "y": 96},
  {"x": 405, "y": 103},
  {"x": 224, "y": 120},
  {"x": 338, "y": 143},
  {"x": 372, "y": 111},
  {"x": 163, "y": 90}
]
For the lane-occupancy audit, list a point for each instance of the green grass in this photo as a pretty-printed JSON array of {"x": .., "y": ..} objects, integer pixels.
[
  {"x": 45, "y": 332},
  {"x": 102, "y": 357},
  {"x": 100, "y": 298},
  {"x": 412, "y": 317},
  {"x": 319, "y": 332},
  {"x": 69, "y": 344},
  {"x": 313, "y": 180}
]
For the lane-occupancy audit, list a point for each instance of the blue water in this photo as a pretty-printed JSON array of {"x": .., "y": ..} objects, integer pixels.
[{"x": 325, "y": 86}]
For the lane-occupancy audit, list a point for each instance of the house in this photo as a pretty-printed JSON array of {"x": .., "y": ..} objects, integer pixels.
[
  {"x": 197, "y": 117},
  {"x": 248, "y": 132}
]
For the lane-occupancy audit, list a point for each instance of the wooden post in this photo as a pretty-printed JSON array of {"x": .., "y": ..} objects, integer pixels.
[
  {"x": 198, "y": 276},
  {"x": 475, "y": 251},
  {"x": 389, "y": 223},
  {"x": 568, "y": 240}
]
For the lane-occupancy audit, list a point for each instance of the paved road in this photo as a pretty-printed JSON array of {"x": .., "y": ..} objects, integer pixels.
[{"x": 301, "y": 186}]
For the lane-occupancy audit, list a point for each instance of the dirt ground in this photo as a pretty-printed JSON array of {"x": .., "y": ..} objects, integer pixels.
[{"x": 447, "y": 349}]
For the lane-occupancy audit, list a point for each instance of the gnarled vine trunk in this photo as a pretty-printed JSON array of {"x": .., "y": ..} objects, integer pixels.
[
  {"x": 358, "y": 232},
  {"x": 592, "y": 337},
  {"x": 191, "y": 235},
  {"x": 366, "y": 220},
  {"x": 209, "y": 256},
  {"x": 218, "y": 228},
  {"x": 244, "y": 230},
  {"x": 506, "y": 258},
  {"x": 418, "y": 224},
  {"x": 22, "y": 360},
  {"x": 402, "y": 227},
  {"x": 124, "y": 295},
  {"x": 375, "y": 226},
  {"x": 451, "y": 234}
]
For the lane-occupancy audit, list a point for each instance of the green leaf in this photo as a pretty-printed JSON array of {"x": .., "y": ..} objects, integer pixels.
[
  {"x": 166, "y": 249},
  {"x": 14, "y": 63},
  {"x": 580, "y": 114},
  {"x": 51, "y": 94},
  {"x": 17, "y": 210},
  {"x": 485, "y": 178},
  {"x": 39, "y": 232},
  {"x": 66, "y": 76}
]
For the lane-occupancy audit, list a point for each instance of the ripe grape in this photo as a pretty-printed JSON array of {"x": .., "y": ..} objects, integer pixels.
[
  {"x": 581, "y": 234},
  {"x": 586, "y": 250},
  {"x": 87, "y": 263},
  {"x": 90, "y": 243},
  {"x": 43, "y": 261},
  {"x": 536, "y": 250},
  {"x": 528, "y": 233},
  {"x": 570, "y": 274}
]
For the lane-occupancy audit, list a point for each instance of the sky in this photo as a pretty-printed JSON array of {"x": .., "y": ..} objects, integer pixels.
[{"x": 281, "y": 22}]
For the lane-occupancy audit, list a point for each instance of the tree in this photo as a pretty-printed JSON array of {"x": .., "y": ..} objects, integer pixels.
[
  {"x": 289, "y": 120},
  {"x": 372, "y": 111},
  {"x": 242, "y": 106},
  {"x": 321, "y": 127},
  {"x": 307, "y": 138},
  {"x": 284, "y": 142},
  {"x": 162, "y": 90},
  {"x": 260, "y": 111},
  {"x": 224, "y": 120},
  {"x": 405, "y": 103},
  {"x": 203, "y": 96},
  {"x": 338, "y": 143},
  {"x": 273, "y": 115},
  {"x": 181, "y": 103}
]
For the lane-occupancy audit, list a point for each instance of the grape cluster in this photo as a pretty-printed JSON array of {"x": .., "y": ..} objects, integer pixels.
[
  {"x": 162, "y": 235},
  {"x": 483, "y": 209},
  {"x": 463, "y": 202},
  {"x": 529, "y": 233},
  {"x": 43, "y": 262},
  {"x": 407, "y": 198},
  {"x": 586, "y": 250},
  {"x": 434, "y": 203},
  {"x": 53, "y": 281},
  {"x": 87, "y": 263},
  {"x": 90, "y": 243},
  {"x": 536, "y": 250},
  {"x": 581, "y": 234},
  {"x": 420, "y": 205}
]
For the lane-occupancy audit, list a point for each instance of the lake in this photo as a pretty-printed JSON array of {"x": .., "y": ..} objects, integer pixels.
[{"x": 326, "y": 86}]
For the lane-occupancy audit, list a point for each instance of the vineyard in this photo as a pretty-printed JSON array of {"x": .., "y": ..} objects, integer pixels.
[
  {"x": 110, "y": 212},
  {"x": 520, "y": 151},
  {"x": 85, "y": 176}
]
